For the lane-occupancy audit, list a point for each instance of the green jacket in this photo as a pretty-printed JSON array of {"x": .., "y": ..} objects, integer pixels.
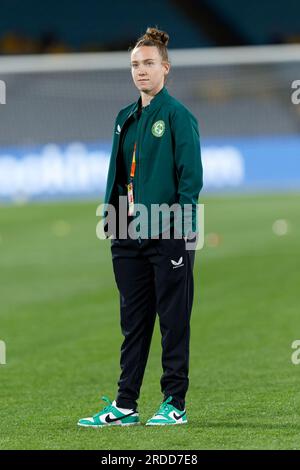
[{"x": 168, "y": 157}]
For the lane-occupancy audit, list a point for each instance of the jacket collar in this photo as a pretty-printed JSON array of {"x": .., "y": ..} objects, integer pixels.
[{"x": 154, "y": 103}]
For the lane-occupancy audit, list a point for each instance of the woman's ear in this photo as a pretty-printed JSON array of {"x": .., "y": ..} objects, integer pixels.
[{"x": 167, "y": 68}]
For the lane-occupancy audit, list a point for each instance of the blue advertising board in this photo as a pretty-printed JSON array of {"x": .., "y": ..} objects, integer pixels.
[{"x": 80, "y": 169}]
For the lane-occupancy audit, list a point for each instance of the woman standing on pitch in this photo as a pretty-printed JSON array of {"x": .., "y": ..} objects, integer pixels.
[{"x": 155, "y": 160}]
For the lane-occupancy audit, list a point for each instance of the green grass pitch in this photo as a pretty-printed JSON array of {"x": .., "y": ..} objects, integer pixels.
[{"x": 59, "y": 318}]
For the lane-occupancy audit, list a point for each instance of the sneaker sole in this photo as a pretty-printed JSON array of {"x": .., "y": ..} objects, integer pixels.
[
  {"x": 106, "y": 425},
  {"x": 165, "y": 424}
]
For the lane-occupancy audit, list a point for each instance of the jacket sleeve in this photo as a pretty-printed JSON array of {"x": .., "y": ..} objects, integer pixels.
[
  {"x": 110, "y": 179},
  {"x": 112, "y": 164},
  {"x": 187, "y": 156}
]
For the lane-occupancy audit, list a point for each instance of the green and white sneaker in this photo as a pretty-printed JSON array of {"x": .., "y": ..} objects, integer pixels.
[
  {"x": 167, "y": 414},
  {"x": 111, "y": 415}
]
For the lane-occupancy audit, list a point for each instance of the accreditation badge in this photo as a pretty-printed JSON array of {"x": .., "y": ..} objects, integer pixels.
[{"x": 130, "y": 199}]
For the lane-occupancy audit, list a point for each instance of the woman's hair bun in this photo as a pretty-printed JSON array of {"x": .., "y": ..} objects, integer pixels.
[{"x": 155, "y": 34}]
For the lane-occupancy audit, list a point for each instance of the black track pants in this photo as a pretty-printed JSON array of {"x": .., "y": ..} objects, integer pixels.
[{"x": 154, "y": 276}]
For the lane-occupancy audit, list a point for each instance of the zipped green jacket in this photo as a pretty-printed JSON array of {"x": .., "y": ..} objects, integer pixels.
[{"x": 168, "y": 156}]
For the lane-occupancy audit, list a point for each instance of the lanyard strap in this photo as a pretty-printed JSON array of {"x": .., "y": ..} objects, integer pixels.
[{"x": 133, "y": 163}]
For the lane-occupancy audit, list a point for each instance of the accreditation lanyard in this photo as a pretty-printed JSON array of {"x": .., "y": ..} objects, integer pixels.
[{"x": 130, "y": 184}]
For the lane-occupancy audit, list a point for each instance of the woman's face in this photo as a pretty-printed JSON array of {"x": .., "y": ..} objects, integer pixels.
[{"x": 148, "y": 70}]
